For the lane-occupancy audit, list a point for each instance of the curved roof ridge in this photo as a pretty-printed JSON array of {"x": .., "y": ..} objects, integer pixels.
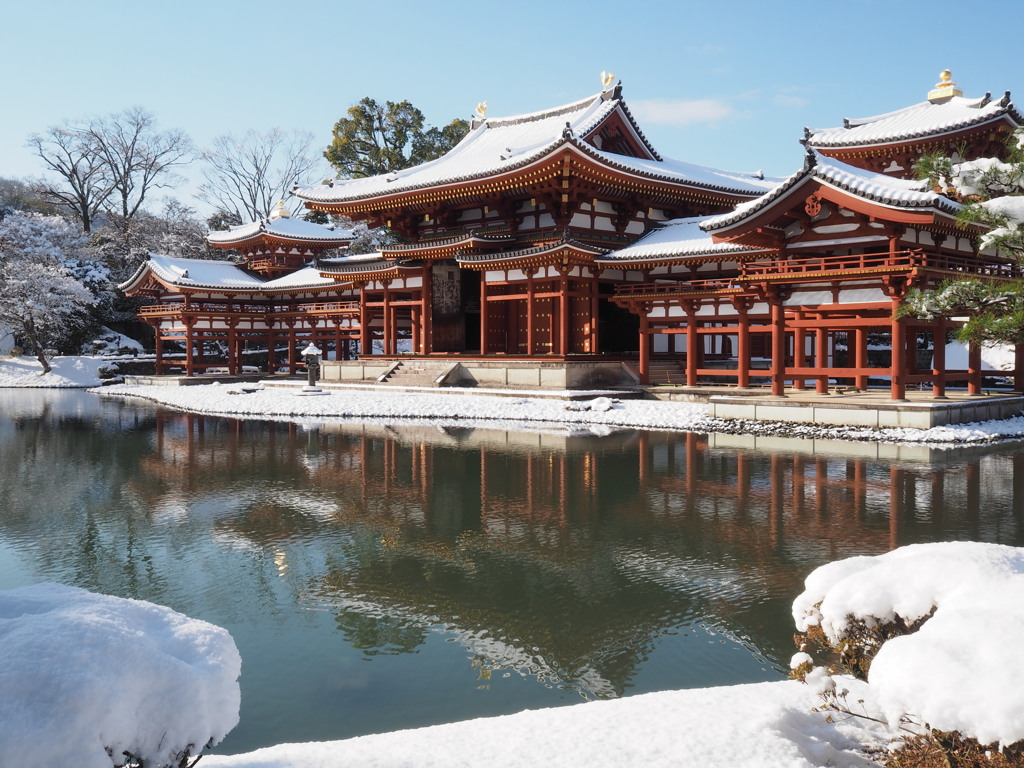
[
  {"x": 886, "y": 190},
  {"x": 565, "y": 109}
]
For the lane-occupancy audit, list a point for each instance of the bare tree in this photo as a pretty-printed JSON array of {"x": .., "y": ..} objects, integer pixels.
[
  {"x": 248, "y": 175},
  {"x": 138, "y": 159},
  {"x": 83, "y": 181}
]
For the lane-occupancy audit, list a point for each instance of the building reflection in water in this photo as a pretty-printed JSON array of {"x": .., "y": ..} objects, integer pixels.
[
  {"x": 564, "y": 556},
  {"x": 480, "y": 571}
]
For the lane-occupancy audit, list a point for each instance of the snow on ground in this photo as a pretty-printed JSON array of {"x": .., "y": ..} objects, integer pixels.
[
  {"x": 960, "y": 670},
  {"x": 83, "y": 673},
  {"x": 66, "y": 372},
  {"x": 742, "y": 726},
  {"x": 522, "y": 410},
  {"x": 515, "y": 410}
]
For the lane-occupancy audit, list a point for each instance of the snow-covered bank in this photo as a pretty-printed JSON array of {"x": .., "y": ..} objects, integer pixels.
[
  {"x": 77, "y": 371},
  {"x": 524, "y": 410},
  {"x": 84, "y": 673},
  {"x": 742, "y": 726}
]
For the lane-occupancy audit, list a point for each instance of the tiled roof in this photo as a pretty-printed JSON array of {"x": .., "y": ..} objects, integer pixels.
[
  {"x": 286, "y": 228},
  {"x": 918, "y": 121},
  {"x": 879, "y": 188},
  {"x": 676, "y": 238},
  {"x": 197, "y": 273},
  {"x": 496, "y": 145}
]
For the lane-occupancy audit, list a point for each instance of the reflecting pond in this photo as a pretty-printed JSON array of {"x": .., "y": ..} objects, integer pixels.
[{"x": 378, "y": 577}]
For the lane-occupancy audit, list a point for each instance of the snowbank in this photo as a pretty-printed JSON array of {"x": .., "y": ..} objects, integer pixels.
[
  {"x": 743, "y": 726},
  {"x": 83, "y": 673},
  {"x": 960, "y": 670},
  {"x": 67, "y": 372},
  {"x": 523, "y": 410}
]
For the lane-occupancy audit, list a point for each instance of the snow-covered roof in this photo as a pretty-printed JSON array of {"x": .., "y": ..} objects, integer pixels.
[
  {"x": 196, "y": 273},
  {"x": 879, "y": 188},
  {"x": 286, "y": 228},
  {"x": 676, "y": 238},
  {"x": 365, "y": 262},
  {"x": 307, "y": 277},
  {"x": 917, "y": 121},
  {"x": 495, "y": 145}
]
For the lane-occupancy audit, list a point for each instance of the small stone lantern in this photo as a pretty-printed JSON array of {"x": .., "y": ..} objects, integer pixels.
[{"x": 312, "y": 354}]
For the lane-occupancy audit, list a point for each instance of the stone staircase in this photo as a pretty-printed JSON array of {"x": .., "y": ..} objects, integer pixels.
[
  {"x": 416, "y": 373},
  {"x": 667, "y": 372}
]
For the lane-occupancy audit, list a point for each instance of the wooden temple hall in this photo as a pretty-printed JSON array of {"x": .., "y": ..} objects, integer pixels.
[{"x": 563, "y": 237}]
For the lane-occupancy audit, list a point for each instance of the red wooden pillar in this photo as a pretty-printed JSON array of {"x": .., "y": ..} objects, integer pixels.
[
  {"x": 530, "y": 309},
  {"x": 1018, "y": 367},
  {"x": 860, "y": 356},
  {"x": 365, "y": 319},
  {"x": 159, "y": 349},
  {"x": 564, "y": 315},
  {"x": 939, "y": 360},
  {"x": 645, "y": 348},
  {"x": 271, "y": 357},
  {"x": 386, "y": 342},
  {"x": 484, "y": 309},
  {"x": 595, "y": 310},
  {"x": 293, "y": 351},
  {"x": 973, "y": 369},
  {"x": 778, "y": 349},
  {"x": 427, "y": 309},
  {"x": 898, "y": 367},
  {"x": 743, "y": 349},
  {"x": 189, "y": 347},
  {"x": 799, "y": 354},
  {"x": 821, "y": 360},
  {"x": 692, "y": 341},
  {"x": 233, "y": 352}
]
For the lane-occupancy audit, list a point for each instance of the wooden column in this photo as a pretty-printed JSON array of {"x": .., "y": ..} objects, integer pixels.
[
  {"x": 898, "y": 343},
  {"x": 799, "y": 354},
  {"x": 692, "y": 340},
  {"x": 860, "y": 356},
  {"x": 387, "y": 343},
  {"x": 595, "y": 310},
  {"x": 365, "y": 319},
  {"x": 530, "y": 309},
  {"x": 233, "y": 352},
  {"x": 743, "y": 349},
  {"x": 821, "y": 360},
  {"x": 189, "y": 347},
  {"x": 939, "y": 360},
  {"x": 1018, "y": 367},
  {"x": 158, "y": 345},
  {"x": 564, "y": 315},
  {"x": 778, "y": 348},
  {"x": 645, "y": 347},
  {"x": 427, "y": 309},
  {"x": 293, "y": 351},
  {"x": 973, "y": 369},
  {"x": 484, "y": 324}
]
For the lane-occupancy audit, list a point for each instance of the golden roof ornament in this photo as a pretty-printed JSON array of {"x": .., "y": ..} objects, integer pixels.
[
  {"x": 945, "y": 89},
  {"x": 607, "y": 79},
  {"x": 279, "y": 212},
  {"x": 481, "y": 110}
]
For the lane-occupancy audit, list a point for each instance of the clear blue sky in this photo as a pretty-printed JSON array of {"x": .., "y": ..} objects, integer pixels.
[{"x": 736, "y": 81}]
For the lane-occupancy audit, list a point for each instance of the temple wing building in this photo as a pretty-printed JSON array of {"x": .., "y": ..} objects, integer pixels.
[{"x": 563, "y": 237}]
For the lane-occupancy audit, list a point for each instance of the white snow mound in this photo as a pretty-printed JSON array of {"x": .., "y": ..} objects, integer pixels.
[{"x": 84, "y": 673}]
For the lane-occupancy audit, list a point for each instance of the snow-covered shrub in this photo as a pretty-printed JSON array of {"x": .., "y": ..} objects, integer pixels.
[
  {"x": 935, "y": 630},
  {"x": 94, "y": 681}
]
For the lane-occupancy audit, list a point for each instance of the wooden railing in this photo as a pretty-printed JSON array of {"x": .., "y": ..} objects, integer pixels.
[
  {"x": 203, "y": 307},
  {"x": 679, "y": 286}
]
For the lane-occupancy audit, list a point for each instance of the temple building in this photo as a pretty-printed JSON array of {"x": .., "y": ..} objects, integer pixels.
[{"x": 564, "y": 238}]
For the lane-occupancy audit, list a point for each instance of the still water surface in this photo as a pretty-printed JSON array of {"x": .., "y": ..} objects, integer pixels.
[{"x": 382, "y": 577}]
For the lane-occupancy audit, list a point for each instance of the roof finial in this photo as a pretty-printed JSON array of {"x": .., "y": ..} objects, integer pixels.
[
  {"x": 280, "y": 212},
  {"x": 945, "y": 89},
  {"x": 481, "y": 110},
  {"x": 607, "y": 78}
]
